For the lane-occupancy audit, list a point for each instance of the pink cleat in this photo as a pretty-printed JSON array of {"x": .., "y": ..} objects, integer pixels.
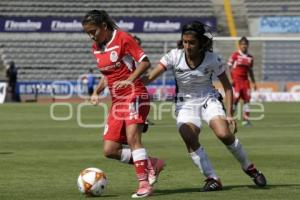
[
  {"x": 157, "y": 166},
  {"x": 144, "y": 190}
]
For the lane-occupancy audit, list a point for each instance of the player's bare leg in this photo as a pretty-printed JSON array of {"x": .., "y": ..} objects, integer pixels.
[
  {"x": 246, "y": 115},
  {"x": 121, "y": 152},
  {"x": 140, "y": 160},
  {"x": 221, "y": 129},
  {"x": 190, "y": 135},
  {"x": 112, "y": 149}
]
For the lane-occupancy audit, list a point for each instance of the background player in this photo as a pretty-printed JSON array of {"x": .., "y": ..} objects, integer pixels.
[
  {"x": 241, "y": 65},
  {"x": 91, "y": 80},
  {"x": 116, "y": 53},
  {"x": 197, "y": 100}
]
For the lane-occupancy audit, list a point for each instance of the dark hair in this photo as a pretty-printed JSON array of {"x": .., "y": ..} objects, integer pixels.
[
  {"x": 201, "y": 31},
  {"x": 244, "y": 39},
  {"x": 179, "y": 44},
  {"x": 139, "y": 41},
  {"x": 97, "y": 17},
  {"x": 12, "y": 63}
]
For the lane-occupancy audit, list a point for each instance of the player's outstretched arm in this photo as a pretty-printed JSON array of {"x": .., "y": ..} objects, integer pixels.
[
  {"x": 142, "y": 68},
  {"x": 228, "y": 100},
  {"x": 99, "y": 88},
  {"x": 251, "y": 74},
  {"x": 153, "y": 74}
]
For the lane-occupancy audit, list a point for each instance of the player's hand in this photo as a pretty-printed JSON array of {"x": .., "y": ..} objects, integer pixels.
[
  {"x": 122, "y": 84},
  {"x": 95, "y": 100},
  {"x": 232, "y": 124}
]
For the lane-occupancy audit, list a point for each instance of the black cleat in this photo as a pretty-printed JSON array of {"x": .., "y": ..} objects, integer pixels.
[
  {"x": 146, "y": 126},
  {"x": 150, "y": 123},
  {"x": 212, "y": 185},
  {"x": 257, "y": 177}
]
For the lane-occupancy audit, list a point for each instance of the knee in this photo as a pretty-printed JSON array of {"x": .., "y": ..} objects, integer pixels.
[
  {"x": 227, "y": 138},
  {"x": 189, "y": 129},
  {"x": 190, "y": 135},
  {"x": 110, "y": 152}
]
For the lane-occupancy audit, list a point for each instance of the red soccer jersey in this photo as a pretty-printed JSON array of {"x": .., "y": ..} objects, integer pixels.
[
  {"x": 240, "y": 64},
  {"x": 117, "y": 62}
]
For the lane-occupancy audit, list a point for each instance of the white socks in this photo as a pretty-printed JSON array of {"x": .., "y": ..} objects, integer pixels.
[
  {"x": 125, "y": 155},
  {"x": 246, "y": 107},
  {"x": 139, "y": 154},
  {"x": 238, "y": 152},
  {"x": 201, "y": 160}
]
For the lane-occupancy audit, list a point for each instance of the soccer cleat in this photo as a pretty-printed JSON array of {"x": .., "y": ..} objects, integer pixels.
[
  {"x": 158, "y": 166},
  {"x": 246, "y": 123},
  {"x": 146, "y": 126},
  {"x": 150, "y": 123},
  {"x": 212, "y": 185},
  {"x": 144, "y": 190},
  {"x": 257, "y": 176}
]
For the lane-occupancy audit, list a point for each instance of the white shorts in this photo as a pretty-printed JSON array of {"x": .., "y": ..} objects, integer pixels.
[{"x": 194, "y": 112}]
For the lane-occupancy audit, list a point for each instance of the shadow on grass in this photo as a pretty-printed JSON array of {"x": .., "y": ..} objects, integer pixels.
[
  {"x": 102, "y": 196},
  {"x": 174, "y": 191},
  {"x": 6, "y": 153},
  {"x": 267, "y": 187},
  {"x": 225, "y": 188}
]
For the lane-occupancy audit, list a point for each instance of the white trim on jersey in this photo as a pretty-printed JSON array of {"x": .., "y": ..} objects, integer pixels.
[
  {"x": 97, "y": 52},
  {"x": 112, "y": 48},
  {"x": 129, "y": 62},
  {"x": 140, "y": 60},
  {"x": 108, "y": 43},
  {"x": 112, "y": 38},
  {"x": 107, "y": 49},
  {"x": 242, "y": 54}
]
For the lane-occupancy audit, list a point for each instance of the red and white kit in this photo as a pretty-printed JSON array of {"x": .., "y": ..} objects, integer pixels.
[
  {"x": 240, "y": 64},
  {"x": 116, "y": 61}
]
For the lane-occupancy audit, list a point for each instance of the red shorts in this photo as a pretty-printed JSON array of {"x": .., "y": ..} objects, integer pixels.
[
  {"x": 242, "y": 89},
  {"x": 132, "y": 111}
]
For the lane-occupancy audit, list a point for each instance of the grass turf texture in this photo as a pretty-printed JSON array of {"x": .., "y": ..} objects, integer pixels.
[{"x": 40, "y": 158}]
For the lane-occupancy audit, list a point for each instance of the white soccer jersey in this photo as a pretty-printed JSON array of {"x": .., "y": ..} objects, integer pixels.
[{"x": 193, "y": 83}]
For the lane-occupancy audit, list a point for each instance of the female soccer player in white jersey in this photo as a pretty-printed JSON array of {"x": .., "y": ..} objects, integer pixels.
[
  {"x": 116, "y": 53},
  {"x": 197, "y": 99}
]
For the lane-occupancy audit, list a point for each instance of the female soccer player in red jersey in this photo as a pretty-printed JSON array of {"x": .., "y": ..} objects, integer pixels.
[
  {"x": 116, "y": 53},
  {"x": 241, "y": 66}
]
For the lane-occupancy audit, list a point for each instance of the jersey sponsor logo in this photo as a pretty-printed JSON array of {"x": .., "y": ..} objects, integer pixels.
[
  {"x": 115, "y": 65},
  {"x": 177, "y": 69},
  {"x": 113, "y": 56}
]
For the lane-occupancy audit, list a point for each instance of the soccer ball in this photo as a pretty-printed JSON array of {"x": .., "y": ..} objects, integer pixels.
[{"x": 92, "y": 181}]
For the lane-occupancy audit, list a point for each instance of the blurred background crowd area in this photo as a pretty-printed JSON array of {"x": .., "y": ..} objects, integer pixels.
[{"x": 46, "y": 43}]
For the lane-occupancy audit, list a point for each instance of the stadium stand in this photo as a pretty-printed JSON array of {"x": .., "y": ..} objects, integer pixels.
[
  {"x": 58, "y": 56},
  {"x": 47, "y": 56},
  {"x": 257, "y": 8},
  {"x": 65, "y": 56},
  {"x": 281, "y": 61},
  {"x": 114, "y": 7}
]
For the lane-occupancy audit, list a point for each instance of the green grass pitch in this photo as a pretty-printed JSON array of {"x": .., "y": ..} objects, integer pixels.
[{"x": 40, "y": 158}]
